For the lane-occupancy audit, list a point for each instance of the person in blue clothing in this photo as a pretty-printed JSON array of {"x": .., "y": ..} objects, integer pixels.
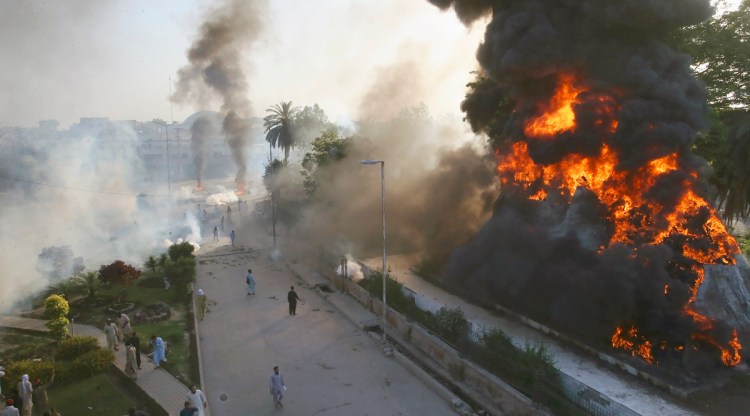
[{"x": 232, "y": 236}]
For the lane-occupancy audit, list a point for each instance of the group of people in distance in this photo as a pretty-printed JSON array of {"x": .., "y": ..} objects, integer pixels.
[{"x": 122, "y": 332}]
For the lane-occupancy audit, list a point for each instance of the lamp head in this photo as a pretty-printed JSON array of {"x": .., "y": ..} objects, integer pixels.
[{"x": 371, "y": 162}]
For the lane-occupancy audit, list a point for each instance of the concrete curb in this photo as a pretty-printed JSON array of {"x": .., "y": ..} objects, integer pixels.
[{"x": 199, "y": 352}]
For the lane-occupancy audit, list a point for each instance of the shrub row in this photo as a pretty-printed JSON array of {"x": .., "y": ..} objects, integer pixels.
[
  {"x": 524, "y": 368},
  {"x": 77, "y": 358}
]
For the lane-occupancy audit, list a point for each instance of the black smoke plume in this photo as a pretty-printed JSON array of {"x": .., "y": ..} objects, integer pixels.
[
  {"x": 553, "y": 258},
  {"x": 216, "y": 69}
]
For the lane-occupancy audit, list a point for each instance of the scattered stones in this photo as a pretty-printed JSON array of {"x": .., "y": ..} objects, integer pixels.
[
  {"x": 154, "y": 312},
  {"x": 119, "y": 308}
]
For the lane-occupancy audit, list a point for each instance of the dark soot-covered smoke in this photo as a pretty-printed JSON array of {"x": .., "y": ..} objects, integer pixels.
[
  {"x": 563, "y": 258},
  {"x": 200, "y": 132},
  {"x": 216, "y": 68}
]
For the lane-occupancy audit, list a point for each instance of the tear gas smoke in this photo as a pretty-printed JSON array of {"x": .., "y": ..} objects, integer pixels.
[{"x": 90, "y": 206}]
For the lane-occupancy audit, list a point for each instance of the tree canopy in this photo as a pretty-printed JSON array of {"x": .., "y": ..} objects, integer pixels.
[
  {"x": 278, "y": 126},
  {"x": 326, "y": 148}
]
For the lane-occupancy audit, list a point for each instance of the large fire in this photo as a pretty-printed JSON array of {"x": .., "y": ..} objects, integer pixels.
[{"x": 636, "y": 218}]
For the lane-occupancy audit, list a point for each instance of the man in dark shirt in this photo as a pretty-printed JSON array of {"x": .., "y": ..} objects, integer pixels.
[
  {"x": 292, "y": 298},
  {"x": 188, "y": 410}
]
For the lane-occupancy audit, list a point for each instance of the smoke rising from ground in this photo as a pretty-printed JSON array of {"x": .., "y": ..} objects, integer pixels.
[
  {"x": 552, "y": 257},
  {"x": 216, "y": 70},
  {"x": 90, "y": 205},
  {"x": 439, "y": 188}
]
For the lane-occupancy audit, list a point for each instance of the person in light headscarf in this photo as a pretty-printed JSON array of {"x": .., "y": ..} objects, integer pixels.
[
  {"x": 25, "y": 390},
  {"x": 125, "y": 328},
  {"x": 110, "y": 329},
  {"x": 201, "y": 301},
  {"x": 130, "y": 363}
]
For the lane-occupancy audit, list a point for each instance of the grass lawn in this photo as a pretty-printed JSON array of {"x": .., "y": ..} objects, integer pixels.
[
  {"x": 102, "y": 394},
  {"x": 178, "y": 348},
  {"x": 18, "y": 344},
  {"x": 176, "y": 331}
]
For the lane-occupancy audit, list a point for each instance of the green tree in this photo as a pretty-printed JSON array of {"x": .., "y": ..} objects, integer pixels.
[
  {"x": 721, "y": 59},
  {"x": 90, "y": 281},
  {"x": 181, "y": 273},
  {"x": 735, "y": 196},
  {"x": 56, "y": 310},
  {"x": 66, "y": 288},
  {"x": 278, "y": 126},
  {"x": 309, "y": 123},
  {"x": 721, "y": 56},
  {"x": 151, "y": 264},
  {"x": 329, "y": 147},
  {"x": 178, "y": 251}
]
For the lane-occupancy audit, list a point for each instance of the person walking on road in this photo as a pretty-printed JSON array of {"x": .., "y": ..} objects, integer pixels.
[
  {"x": 292, "y": 298},
  {"x": 125, "y": 328},
  {"x": 201, "y": 300},
  {"x": 136, "y": 343},
  {"x": 198, "y": 400},
  {"x": 111, "y": 332},
  {"x": 130, "y": 362},
  {"x": 10, "y": 410},
  {"x": 216, "y": 233},
  {"x": 189, "y": 409},
  {"x": 232, "y": 236},
  {"x": 159, "y": 353},
  {"x": 25, "y": 391},
  {"x": 277, "y": 387},
  {"x": 250, "y": 280}
]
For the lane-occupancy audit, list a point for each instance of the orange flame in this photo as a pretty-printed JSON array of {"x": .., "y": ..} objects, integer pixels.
[
  {"x": 240, "y": 187},
  {"x": 637, "y": 346},
  {"x": 636, "y": 218},
  {"x": 558, "y": 114}
]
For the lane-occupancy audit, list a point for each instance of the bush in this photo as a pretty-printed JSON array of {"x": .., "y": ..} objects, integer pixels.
[
  {"x": 56, "y": 309},
  {"x": 118, "y": 273},
  {"x": 96, "y": 361},
  {"x": 450, "y": 324},
  {"x": 181, "y": 250},
  {"x": 73, "y": 347},
  {"x": 151, "y": 280},
  {"x": 35, "y": 369}
]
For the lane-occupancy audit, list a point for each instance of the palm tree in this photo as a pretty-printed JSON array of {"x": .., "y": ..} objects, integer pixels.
[
  {"x": 67, "y": 288},
  {"x": 278, "y": 125},
  {"x": 90, "y": 280}
]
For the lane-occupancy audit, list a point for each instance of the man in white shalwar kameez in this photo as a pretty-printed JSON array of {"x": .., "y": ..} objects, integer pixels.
[
  {"x": 198, "y": 400},
  {"x": 24, "y": 393},
  {"x": 277, "y": 387}
]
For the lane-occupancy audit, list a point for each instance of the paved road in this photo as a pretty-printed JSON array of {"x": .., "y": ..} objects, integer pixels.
[{"x": 330, "y": 367}]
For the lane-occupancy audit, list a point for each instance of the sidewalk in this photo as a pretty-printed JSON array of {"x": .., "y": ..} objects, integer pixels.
[
  {"x": 627, "y": 390},
  {"x": 161, "y": 386}
]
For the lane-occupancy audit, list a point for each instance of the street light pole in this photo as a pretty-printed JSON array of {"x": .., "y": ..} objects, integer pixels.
[
  {"x": 382, "y": 199},
  {"x": 169, "y": 171}
]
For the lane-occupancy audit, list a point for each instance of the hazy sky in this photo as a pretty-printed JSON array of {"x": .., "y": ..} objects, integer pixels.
[{"x": 72, "y": 59}]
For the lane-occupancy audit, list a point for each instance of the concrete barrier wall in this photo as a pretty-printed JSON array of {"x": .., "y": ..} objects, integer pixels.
[{"x": 492, "y": 390}]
